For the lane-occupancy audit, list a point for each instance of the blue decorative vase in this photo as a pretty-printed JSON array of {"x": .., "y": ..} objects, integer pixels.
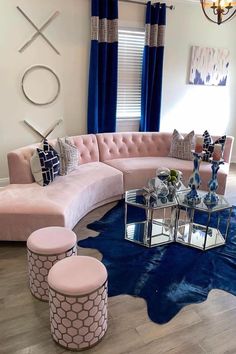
[
  {"x": 192, "y": 197},
  {"x": 211, "y": 199}
]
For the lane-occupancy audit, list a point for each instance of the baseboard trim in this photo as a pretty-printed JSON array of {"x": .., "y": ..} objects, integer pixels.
[{"x": 4, "y": 182}]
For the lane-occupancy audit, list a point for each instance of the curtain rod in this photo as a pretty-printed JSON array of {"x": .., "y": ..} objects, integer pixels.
[{"x": 171, "y": 7}]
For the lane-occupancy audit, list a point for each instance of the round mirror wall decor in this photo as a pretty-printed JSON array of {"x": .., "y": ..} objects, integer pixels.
[{"x": 40, "y": 85}]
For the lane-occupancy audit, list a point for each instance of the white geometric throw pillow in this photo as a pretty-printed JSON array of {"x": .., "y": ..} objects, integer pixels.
[{"x": 45, "y": 164}]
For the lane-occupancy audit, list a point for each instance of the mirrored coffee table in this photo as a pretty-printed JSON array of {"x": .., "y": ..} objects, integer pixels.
[
  {"x": 211, "y": 231},
  {"x": 155, "y": 224}
]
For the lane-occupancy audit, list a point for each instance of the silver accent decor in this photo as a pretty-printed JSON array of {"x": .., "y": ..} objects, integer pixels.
[
  {"x": 175, "y": 221},
  {"x": 158, "y": 226},
  {"x": 205, "y": 236},
  {"x": 36, "y": 67},
  {"x": 38, "y": 30},
  {"x": 170, "y": 7},
  {"x": 43, "y": 137}
]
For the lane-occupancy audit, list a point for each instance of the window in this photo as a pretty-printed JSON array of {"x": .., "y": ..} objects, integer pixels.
[{"x": 130, "y": 54}]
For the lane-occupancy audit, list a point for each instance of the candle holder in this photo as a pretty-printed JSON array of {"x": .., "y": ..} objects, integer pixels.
[
  {"x": 192, "y": 197},
  {"x": 211, "y": 199}
]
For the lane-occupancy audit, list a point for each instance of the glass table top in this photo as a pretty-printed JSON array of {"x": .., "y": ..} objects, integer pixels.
[
  {"x": 222, "y": 204},
  {"x": 138, "y": 197}
]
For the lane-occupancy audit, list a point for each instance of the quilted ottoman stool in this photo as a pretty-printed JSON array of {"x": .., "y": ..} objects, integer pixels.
[
  {"x": 78, "y": 302},
  {"x": 44, "y": 248}
]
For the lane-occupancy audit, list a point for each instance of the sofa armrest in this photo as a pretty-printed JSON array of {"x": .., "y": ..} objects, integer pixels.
[
  {"x": 228, "y": 149},
  {"x": 19, "y": 165}
]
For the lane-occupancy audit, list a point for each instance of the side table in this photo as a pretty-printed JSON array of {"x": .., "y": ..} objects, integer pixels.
[
  {"x": 157, "y": 224},
  {"x": 211, "y": 232}
]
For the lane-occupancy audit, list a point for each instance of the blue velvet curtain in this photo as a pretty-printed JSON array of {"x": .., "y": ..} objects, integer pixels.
[
  {"x": 153, "y": 67},
  {"x": 102, "y": 95}
]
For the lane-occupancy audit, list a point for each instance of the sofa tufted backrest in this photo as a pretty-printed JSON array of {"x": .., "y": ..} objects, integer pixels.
[
  {"x": 19, "y": 159},
  {"x": 87, "y": 146},
  {"x": 120, "y": 145},
  {"x": 102, "y": 147}
]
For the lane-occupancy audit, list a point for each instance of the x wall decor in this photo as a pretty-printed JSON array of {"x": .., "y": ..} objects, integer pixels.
[
  {"x": 49, "y": 131},
  {"x": 39, "y": 30}
]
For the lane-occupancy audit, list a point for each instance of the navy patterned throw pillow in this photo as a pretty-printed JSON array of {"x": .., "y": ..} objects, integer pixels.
[
  {"x": 45, "y": 164},
  {"x": 208, "y": 145}
]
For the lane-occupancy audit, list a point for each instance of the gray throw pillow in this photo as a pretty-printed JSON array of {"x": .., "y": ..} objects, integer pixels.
[
  {"x": 181, "y": 146},
  {"x": 69, "y": 156}
]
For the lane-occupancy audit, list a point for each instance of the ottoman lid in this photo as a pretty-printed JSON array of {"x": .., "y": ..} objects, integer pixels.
[
  {"x": 77, "y": 275},
  {"x": 51, "y": 240}
]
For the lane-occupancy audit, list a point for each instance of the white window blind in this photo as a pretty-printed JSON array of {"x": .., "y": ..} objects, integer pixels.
[{"x": 130, "y": 54}]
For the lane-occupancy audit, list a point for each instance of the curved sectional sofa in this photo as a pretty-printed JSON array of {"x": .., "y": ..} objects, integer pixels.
[{"x": 109, "y": 164}]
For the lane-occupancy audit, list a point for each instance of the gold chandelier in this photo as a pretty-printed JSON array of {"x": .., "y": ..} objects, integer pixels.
[{"x": 222, "y": 9}]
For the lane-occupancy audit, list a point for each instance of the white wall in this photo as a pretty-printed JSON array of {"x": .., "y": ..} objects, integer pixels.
[
  {"x": 184, "y": 106},
  {"x": 69, "y": 32},
  {"x": 196, "y": 107}
]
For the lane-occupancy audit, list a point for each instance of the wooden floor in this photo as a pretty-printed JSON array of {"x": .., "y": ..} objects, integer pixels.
[{"x": 209, "y": 327}]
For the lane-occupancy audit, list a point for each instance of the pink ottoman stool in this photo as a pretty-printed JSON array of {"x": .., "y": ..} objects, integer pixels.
[
  {"x": 78, "y": 302},
  {"x": 44, "y": 248}
]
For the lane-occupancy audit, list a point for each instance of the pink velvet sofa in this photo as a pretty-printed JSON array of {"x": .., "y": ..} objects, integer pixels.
[{"x": 109, "y": 164}]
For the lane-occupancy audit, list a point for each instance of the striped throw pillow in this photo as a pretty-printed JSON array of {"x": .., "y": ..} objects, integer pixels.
[
  {"x": 181, "y": 146},
  {"x": 45, "y": 164}
]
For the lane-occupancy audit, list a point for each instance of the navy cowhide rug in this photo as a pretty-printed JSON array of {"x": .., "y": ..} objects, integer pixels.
[{"x": 168, "y": 277}]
